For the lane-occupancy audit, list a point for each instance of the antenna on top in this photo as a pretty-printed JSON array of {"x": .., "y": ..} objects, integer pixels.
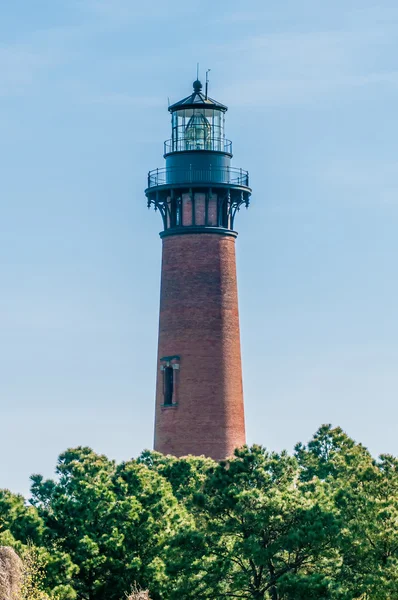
[
  {"x": 197, "y": 70},
  {"x": 207, "y": 82}
]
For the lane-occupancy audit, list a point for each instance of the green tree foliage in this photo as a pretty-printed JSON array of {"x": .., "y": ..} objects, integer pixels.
[
  {"x": 18, "y": 520},
  {"x": 365, "y": 495},
  {"x": 319, "y": 525},
  {"x": 186, "y": 475},
  {"x": 34, "y": 564},
  {"x": 111, "y": 520},
  {"x": 22, "y": 528},
  {"x": 262, "y": 534}
]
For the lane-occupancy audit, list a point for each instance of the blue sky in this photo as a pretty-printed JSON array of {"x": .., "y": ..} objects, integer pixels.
[{"x": 312, "y": 93}]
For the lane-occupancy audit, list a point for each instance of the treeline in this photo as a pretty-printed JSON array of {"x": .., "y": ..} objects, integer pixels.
[{"x": 319, "y": 524}]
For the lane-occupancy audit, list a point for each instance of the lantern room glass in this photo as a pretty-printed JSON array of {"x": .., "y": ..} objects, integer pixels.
[{"x": 198, "y": 129}]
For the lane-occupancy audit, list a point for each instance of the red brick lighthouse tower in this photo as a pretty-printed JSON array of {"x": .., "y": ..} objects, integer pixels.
[{"x": 199, "y": 396}]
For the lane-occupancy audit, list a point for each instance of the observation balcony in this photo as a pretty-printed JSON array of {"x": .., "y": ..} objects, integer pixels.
[
  {"x": 185, "y": 144},
  {"x": 211, "y": 176}
]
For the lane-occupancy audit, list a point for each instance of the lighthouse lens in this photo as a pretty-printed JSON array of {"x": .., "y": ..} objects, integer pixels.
[
  {"x": 198, "y": 129},
  {"x": 198, "y": 133}
]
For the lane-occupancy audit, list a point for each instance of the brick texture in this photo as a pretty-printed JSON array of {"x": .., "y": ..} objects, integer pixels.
[{"x": 199, "y": 322}]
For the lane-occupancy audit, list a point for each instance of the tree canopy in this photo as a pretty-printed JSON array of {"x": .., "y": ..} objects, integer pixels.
[{"x": 321, "y": 523}]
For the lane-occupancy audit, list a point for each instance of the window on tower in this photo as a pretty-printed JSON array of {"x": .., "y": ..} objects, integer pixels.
[
  {"x": 168, "y": 385},
  {"x": 169, "y": 367}
]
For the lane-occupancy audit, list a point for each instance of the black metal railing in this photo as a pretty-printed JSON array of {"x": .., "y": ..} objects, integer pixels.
[
  {"x": 173, "y": 175},
  {"x": 185, "y": 144}
]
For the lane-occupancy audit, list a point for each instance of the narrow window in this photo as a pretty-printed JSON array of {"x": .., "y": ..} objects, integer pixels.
[
  {"x": 173, "y": 212},
  {"x": 178, "y": 213},
  {"x": 225, "y": 214},
  {"x": 168, "y": 385}
]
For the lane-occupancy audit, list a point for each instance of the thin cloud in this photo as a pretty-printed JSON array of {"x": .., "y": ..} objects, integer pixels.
[
  {"x": 306, "y": 52},
  {"x": 122, "y": 12},
  {"x": 364, "y": 179},
  {"x": 299, "y": 68},
  {"x": 120, "y": 99},
  {"x": 263, "y": 93},
  {"x": 19, "y": 68}
]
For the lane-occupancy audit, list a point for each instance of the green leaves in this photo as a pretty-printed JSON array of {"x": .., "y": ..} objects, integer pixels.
[
  {"x": 260, "y": 527},
  {"x": 22, "y": 521},
  {"x": 319, "y": 525},
  {"x": 112, "y": 521},
  {"x": 364, "y": 493}
]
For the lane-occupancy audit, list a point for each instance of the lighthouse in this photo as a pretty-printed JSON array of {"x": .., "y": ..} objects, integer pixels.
[{"x": 199, "y": 393}]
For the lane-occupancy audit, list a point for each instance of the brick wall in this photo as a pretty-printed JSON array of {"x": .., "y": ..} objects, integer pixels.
[{"x": 199, "y": 322}]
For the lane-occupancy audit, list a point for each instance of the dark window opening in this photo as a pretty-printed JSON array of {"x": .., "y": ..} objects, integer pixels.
[
  {"x": 225, "y": 214},
  {"x": 168, "y": 385},
  {"x": 173, "y": 211}
]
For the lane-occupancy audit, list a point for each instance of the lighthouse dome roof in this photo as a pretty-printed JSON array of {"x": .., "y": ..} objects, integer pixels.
[{"x": 196, "y": 99}]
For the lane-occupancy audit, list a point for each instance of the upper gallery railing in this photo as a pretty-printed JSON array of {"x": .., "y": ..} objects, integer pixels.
[{"x": 172, "y": 175}]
